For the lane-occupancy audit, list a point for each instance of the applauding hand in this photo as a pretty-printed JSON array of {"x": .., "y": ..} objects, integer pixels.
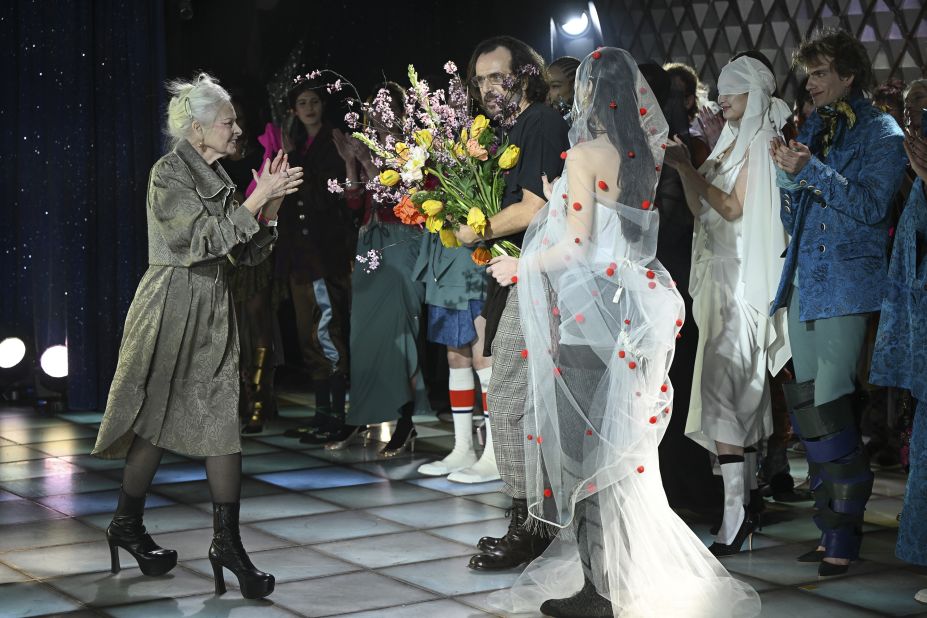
[{"x": 790, "y": 159}]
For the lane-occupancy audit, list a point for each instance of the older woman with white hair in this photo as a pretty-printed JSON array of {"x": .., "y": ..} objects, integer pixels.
[
  {"x": 735, "y": 273},
  {"x": 176, "y": 383}
]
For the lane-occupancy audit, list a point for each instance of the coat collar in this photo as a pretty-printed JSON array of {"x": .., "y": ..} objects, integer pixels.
[{"x": 209, "y": 181}]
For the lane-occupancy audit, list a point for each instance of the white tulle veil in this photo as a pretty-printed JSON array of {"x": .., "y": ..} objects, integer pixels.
[{"x": 600, "y": 317}]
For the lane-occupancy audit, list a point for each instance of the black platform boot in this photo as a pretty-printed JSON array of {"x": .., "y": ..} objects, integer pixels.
[
  {"x": 128, "y": 532},
  {"x": 516, "y": 519},
  {"x": 519, "y": 546},
  {"x": 227, "y": 551}
]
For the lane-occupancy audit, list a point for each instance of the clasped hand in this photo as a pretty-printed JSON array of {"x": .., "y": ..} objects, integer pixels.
[
  {"x": 791, "y": 158},
  {"x": 277, "y": 178}
]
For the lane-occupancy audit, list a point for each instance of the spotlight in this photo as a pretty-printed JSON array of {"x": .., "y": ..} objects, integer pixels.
[
  {"x": 15, "y": 369},
  {"x": 574, "y": 29},
  {"x": 576, "y": 26},
  {"x": 12, "y": 352},
  {"x": 54, "y": 361}
]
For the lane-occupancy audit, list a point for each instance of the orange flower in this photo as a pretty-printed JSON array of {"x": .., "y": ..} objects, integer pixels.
[
  {"x": 407, "y": 212},
  {"x": 475, "y": 150},
  {"x": 481, "y": 256}
]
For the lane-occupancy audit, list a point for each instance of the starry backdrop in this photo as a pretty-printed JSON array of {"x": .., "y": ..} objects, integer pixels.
[{"x": 83, "y": 100}]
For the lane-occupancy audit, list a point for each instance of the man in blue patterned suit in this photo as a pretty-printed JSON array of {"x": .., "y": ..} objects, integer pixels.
[{"x": 838, "y": 180}]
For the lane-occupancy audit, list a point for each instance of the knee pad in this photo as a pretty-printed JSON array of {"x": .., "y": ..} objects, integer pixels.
[
  {"x": 828, "y": 431},
  {"x": 798, "y": 395},
  {"x": 848, "y": 485}
]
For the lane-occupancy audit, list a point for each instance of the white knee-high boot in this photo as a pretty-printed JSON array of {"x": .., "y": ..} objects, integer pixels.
[
  {"x": 734, "y": 513},
  {"x": 485, "y": 469}
]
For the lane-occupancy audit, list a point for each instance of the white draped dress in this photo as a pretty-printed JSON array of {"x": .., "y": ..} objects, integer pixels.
[{"x": 730, "y": 399}]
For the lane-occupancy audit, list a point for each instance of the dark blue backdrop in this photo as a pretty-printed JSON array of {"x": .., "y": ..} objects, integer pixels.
[{"x": 79, "y": 124}]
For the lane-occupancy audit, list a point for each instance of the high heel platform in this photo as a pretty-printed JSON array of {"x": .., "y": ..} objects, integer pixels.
[
  {"x": 128, "y": 532},
  {"x": 745, "y": 533},
  {"x": 227, "y": 552},
  {"x": 842, "y": 543},
  {"x": 391, "y": 450}
]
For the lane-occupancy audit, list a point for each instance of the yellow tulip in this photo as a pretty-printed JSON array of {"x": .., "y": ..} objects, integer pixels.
[
  {"x": 389, "y": 177},
  {"x": 449, "y": 238},
  {"x": 402, "y": 151},
  {"x": 479, "y": 125},
  {"x": 460, "y": 151},
  {"x": 476, "y": 220},
  {"x": 432, "y": 208},
  {"x": 509, "y": 158},
  {"x": 434, "y": 224},
  {"x": 464, "y": 136},
  {"x": 424, "y": 138}
]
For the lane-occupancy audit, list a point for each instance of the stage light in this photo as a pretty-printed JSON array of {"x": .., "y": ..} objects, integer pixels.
[
  {"x": 54, "y": 361},
  {"x": 574, "y": 29},
  {"x": 576, "y": 26},
  {"x": 12, "y": 352}
]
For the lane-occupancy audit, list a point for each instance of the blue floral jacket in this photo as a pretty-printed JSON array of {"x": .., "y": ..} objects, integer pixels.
[
  {"x": 900, "y": 355},
  {"x": 836, "y": 211}
]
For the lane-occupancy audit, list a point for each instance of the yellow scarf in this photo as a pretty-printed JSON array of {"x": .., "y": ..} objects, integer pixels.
[{"x": 831, "y": 115}]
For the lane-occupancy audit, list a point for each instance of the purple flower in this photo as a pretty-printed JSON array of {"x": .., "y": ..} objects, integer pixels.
[
  {"x": 352, "y": 119},
  {"x": 450, "y": 68},
  {"x": 334, "y": 186},
  {"x": 314, "y": 74},
  {"x": 371, "y": 260}
]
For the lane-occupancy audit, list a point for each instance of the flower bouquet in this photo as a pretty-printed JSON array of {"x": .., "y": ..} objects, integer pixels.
[{"x": 441, "y": 166}]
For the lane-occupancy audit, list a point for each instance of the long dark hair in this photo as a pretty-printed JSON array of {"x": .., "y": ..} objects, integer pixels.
[
  {"x": 296, "y": 134},
  {"x": 614, "y": 112}
]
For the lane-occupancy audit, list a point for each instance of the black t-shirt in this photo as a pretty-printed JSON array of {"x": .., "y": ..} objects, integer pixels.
[{"x": 543, "y": 136}]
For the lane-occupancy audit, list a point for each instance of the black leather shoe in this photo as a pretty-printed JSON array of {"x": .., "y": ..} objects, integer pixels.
[
  {"x": 517, "y": 517},
  {"x": 227, "y": 552},
  {"x": 827, "y": 569},
  {"x": 128, "y": 532},
  {"x": 519, "y": 545}
]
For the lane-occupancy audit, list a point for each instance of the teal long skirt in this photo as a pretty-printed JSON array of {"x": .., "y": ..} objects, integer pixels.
[{"x": 386, "y": 318}]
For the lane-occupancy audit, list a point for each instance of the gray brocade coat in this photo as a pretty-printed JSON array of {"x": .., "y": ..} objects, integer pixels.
[{"x": 176, "y": 381}]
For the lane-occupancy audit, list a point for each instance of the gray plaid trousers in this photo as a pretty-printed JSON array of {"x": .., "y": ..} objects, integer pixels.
[{"x": 508, "y": 390}]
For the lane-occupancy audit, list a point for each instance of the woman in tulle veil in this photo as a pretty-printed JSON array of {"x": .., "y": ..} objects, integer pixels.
[{"x": 600, "y": 317}]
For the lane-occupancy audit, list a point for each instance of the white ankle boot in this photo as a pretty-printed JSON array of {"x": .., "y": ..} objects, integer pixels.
[
  {"x": 462, "y": 456},
  {"x": 484, "y": 470}
]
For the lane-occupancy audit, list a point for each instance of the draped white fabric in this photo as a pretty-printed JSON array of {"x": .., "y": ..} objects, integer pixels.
[
  {"x": 764, "y": 238},
  {"x": 600, "y": 317}
]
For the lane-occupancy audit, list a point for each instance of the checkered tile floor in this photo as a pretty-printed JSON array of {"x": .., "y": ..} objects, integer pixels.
[{"x": 345, "y": 533}]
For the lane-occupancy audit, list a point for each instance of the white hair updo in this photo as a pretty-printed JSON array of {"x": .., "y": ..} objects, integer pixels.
[{"x": 197, "y": 100}]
